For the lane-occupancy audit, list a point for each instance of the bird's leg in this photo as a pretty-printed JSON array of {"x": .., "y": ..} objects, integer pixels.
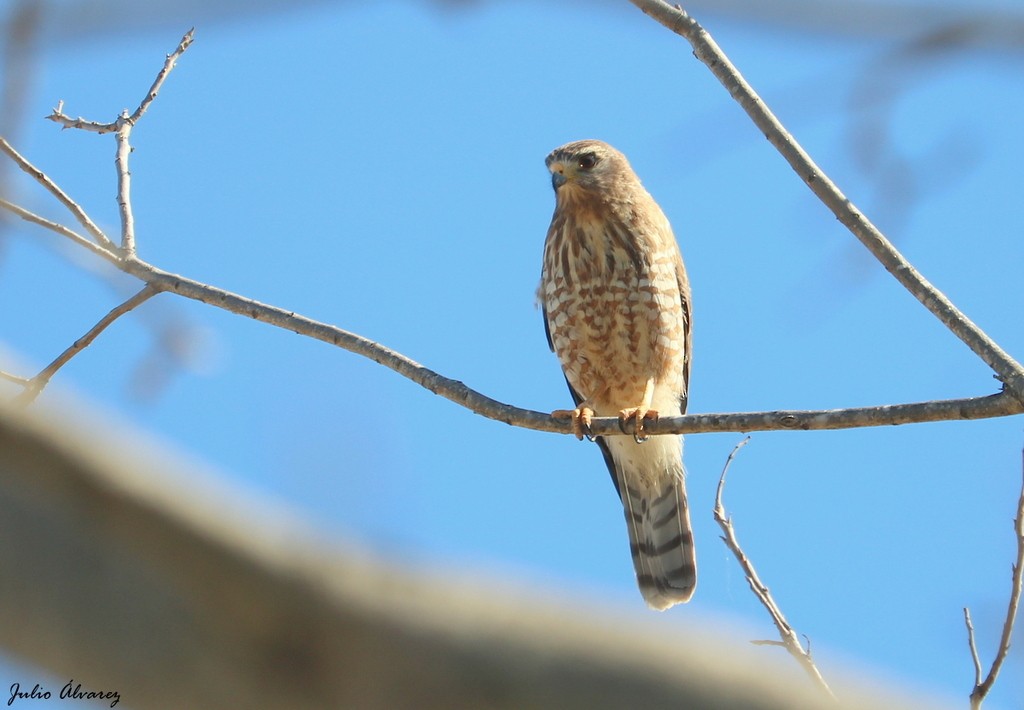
[{"x": 640, "y": 413}]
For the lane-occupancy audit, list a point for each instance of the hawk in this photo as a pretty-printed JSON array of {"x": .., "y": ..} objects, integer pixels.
[{"x": 616, "y": 304}]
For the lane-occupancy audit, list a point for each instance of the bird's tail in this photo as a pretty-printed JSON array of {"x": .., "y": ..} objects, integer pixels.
[{"x": 658, "y": 520}]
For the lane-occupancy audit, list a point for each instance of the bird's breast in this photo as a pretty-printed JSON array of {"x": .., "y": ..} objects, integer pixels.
[{"x": 613, "y": 309}]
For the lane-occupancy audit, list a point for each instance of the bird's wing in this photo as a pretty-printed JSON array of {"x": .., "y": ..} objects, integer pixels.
[
  {"x": 576, "y": 398},
  {"x": 683, "y": 283}
]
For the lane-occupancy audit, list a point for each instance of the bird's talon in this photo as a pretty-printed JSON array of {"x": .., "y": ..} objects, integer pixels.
[
  {"x": 581, "y": 419},
  {"x": 586, "y": 418},
  {"x": 634, "y": 413}
]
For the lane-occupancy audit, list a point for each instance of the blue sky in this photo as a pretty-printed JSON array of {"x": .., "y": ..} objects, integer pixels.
[{"x": 380, "y": 167}]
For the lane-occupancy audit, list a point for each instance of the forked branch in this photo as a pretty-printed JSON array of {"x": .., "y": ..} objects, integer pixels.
[
  {"x": 982, "y": 685},
  {"x": 790, "y": 640},
  {"x": 39, "y": 176}
]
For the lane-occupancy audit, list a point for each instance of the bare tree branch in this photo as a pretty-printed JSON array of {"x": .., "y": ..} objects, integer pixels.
[
  {"x": 158, "y": 83},
  {"x": 1006, "y": 368},
  {"x": 123, "y": 128},
  {"x": 36, "y": 384},
  {"x": 708, "y": 52},
  {"x": 41, "y": 177},
  {"x": 996, "y": 405},
  {"x": 975, "y": 408},
  {"x": 58, "y": 228},
  {"x": 58, "y": 116},
  {"x": 157, "y": 280},
  {"x": 982, "y": 687},
  {"x": 124, "y": 182},
  {"x": 973, "y": 646},
  {"x": 790, "y": 641}
]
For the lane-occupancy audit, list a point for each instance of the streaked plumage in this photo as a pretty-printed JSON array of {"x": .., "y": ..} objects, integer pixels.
[{"x": 616, "y": 306}]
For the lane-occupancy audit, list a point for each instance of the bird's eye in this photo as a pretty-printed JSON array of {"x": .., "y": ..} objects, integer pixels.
[{"x": 587, "y": 161}]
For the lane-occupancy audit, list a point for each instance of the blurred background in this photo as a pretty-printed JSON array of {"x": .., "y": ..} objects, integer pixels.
[{"x": 379, "y": 166}]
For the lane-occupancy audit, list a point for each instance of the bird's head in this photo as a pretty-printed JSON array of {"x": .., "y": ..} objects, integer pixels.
[{"x": 588, "y": 165}]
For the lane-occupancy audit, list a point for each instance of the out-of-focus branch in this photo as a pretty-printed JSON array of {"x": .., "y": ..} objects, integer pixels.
[
  {"x": 983, "y": 25},
  {"x": 790, "y": 640},
  {"x": 159, "y": 586},
  {"x": 16, "y": 379},
  {"x": 708, "y": 52},
  {"x": 18, "y": 57},
  {"x": 982, "y": 686}
]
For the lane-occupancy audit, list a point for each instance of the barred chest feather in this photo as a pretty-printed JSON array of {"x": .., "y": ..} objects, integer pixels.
[{"x": 613, "y": 309}]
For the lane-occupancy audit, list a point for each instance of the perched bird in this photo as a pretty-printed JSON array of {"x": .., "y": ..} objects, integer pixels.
[{"x": 616, "y": 304}]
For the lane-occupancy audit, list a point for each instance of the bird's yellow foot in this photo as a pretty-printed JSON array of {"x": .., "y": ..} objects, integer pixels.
[
  {"x": 639, "y": 415},
  {"x": 581, "y": 417}
]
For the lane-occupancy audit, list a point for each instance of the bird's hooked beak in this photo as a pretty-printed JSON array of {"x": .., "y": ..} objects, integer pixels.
[{"x": 559, "y": 174}]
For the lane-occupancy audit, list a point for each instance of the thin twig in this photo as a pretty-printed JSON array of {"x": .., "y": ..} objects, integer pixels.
[
  {"x": 59, "y": 229},
  {"x": 57, "y": 115},
  {"x": 186, "y": 40},
  {"x": 790, "y": 640},
  {"x": 973, "y": 646},
  {"x": 708, "y": 52},
  {"x": 35, "y": 385},
  {"x": 982, "y": 687},
  {"x": 61, "y": 196},
  {"x": 66, "y": 121}
]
